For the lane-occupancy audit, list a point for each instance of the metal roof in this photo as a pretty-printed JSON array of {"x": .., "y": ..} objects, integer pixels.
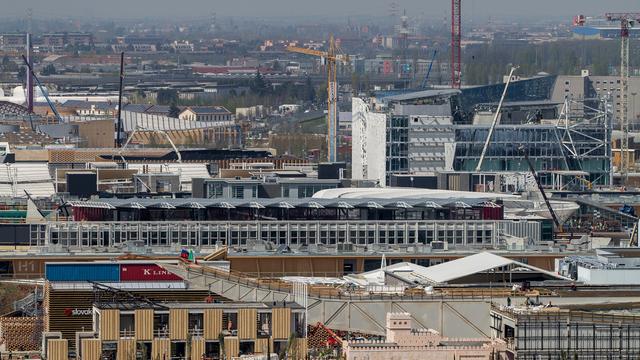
[
  {"x": 478, "y": 263},
  {"x": 143, "y": 285},
  {"x": 422, "y": 94},
  {"x": 445, "y": 272},
  {"x": 208, "y": 110},
  {"x": 408, "y": 194},
  {"x": 282, "y": 203},
  {"x": 147, "y": 121}
]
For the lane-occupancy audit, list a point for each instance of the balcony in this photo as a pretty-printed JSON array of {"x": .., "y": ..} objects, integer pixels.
[
  {"x": 127, "y": 333},
  {"x": 161, "y": 332}
]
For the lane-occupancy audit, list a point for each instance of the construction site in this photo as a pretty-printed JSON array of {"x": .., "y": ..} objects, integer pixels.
[{"x": 311, "y": 198}]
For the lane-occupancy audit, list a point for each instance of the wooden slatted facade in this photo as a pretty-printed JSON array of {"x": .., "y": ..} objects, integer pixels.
[
  {"x": 301, "y": 349},
  {"x": 247, "y": 324},
  {"x": 197, "y": 348},
  {"x": 262, "y": 346},
  {"x": 161, "y": 349},
  {"x": 126, "y": 349},
  {"x": 178, "y": 324},
  {"x": 144, "y": 324},
  {"x": 58, "y": 303},
  {"x": 281, "y": 323},
  {"x": 231, "y": 347},
  {"x": 57, "y": 349},
  {"x": 212, "y": 323},
  {"x": 109, "y": 325},
  {"x": 91, "y": 349}
]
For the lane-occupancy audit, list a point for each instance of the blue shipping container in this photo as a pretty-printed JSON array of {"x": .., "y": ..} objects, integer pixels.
[{"x": 82, "y": 272}]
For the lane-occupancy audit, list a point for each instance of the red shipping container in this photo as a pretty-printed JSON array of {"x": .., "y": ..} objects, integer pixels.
[{"x": 146, "y": 272}]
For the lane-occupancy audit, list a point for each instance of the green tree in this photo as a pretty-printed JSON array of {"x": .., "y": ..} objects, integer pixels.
[
  {"x": 174, "y": 110},
  {"x": 309, "y": 90},
  {"x": 223, "y": 353},
  {"x": 49, "y": 70},
  {"x": 259, "y": 85},
  {"x": 167, "y": 97},
  {"x": 291, "y": 351},
  {"x": 22, "y": 74}
]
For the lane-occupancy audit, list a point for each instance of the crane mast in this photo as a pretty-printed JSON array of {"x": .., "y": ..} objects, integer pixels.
[
  {"x": 627, "y": 21},
  {"x": 456, "y": 46}
]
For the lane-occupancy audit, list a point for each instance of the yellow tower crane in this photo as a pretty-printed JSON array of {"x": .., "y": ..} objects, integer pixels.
[{"x": 331, "y": 59}]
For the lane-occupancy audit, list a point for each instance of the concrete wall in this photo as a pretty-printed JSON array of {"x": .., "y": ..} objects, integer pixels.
[
  {"x": 368, "y": 136},
  {"x": 609, "y": 276},
  {"x": 428, "y": 137},
  {"x": 97, "y": 133},
  {"x": 578, "y": 87}
]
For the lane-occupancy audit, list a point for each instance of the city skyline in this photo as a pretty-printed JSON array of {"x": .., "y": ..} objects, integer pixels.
[{"x": 120, "y": 9}]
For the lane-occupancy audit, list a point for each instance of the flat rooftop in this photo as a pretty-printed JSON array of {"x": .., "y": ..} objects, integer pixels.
[{"x": 200, "y": 305}]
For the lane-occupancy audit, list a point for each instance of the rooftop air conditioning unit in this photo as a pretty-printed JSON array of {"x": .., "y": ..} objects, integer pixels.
[
  {"x": 439, "y": 245},
  {"x": 346, "y": 247}
]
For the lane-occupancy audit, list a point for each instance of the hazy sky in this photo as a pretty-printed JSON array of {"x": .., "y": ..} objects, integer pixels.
[{"x": 277, "y": 8}]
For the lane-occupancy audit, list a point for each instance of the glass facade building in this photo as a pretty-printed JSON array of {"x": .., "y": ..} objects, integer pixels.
[{"x": 581, "y": 147}]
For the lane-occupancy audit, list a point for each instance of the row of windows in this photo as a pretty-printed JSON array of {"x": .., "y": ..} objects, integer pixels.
[{"x": 457, "y": 234}]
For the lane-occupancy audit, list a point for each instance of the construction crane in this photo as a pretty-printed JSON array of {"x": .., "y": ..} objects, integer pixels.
[
  {"x": 627, "y": 21},
  {"x": 425, "y": 82},
  {"x": 539, "y": 184},
  {"x": 496, "y": 119},
  {"x": 456, "y": 46},
  {"x": 331, "y": 58},
  {"x": 43, "y": 90}
]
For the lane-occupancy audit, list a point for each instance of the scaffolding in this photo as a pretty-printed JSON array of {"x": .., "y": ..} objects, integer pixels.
[
  {"x": 566, "y": 334},
  {"x": 573, "y": 142}
]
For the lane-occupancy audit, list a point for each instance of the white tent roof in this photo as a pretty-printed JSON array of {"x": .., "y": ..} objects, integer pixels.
[
  {"x": 466, "y": 266},
  {"x": 406, "y": 193},
  {"x": 445, "y": 272}
]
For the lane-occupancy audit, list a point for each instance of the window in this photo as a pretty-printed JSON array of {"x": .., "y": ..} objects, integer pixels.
[
  {"x": 246, "y": 347},
  {"x": 211, "y": 350},
  {"x": 348, "y": 266},
  {"x": 144, "y": 349},
  {"x": 127, "y": 328},
  {"x": 230, "y": 324},
  {"x": 160, "y": 325},
  {"x": 254, "y": 191},
  {"x": 178, "y": 350},
  {"x": 237, "y": 192},
  {"x": 215, "y": 190},
  {"x": 264, "y": 324},
  {"x": 163, "y": 186},
  {"x": 299, "y": 324},
  {"x": 196, "y": 322}
]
